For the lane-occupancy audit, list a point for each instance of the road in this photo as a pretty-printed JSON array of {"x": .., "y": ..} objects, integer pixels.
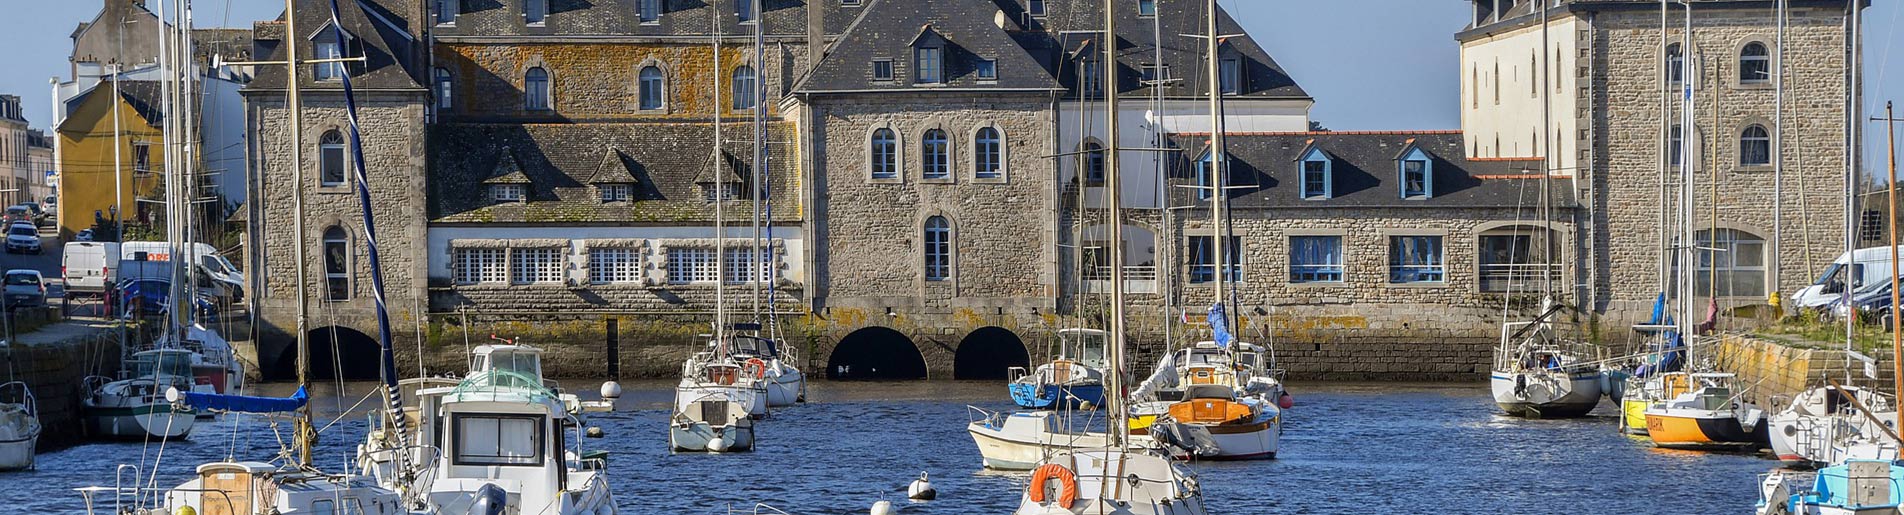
[{"x": 47, "y": 262}]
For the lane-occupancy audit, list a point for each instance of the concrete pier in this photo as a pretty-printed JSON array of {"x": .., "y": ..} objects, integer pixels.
[{"x": 53, "y": 361}]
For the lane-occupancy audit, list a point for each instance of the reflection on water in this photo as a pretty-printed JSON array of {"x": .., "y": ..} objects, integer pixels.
[{"x": 1346, "y": 447}]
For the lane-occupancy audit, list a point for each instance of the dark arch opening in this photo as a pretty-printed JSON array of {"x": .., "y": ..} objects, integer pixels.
[
  {"x": 334, "y": 351},
  {"x": 989, "y": 353},
  {"x": 875, "y": 353}
]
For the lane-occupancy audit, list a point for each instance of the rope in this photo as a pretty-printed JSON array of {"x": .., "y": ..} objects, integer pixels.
[{"x": 345, "y": 413}]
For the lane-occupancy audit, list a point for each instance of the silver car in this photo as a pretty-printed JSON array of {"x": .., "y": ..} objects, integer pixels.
[
  {"x": 25, "y": 289},
  {"x": 23, "y": 237}
]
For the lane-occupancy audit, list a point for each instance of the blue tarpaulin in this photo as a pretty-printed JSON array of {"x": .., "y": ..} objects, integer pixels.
[
  {"x": 247, "y": 404},
  {"x": 1219, "y": 326}
]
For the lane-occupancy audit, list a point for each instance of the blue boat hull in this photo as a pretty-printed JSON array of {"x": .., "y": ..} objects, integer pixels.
[{"x": 1051, "y": 396}]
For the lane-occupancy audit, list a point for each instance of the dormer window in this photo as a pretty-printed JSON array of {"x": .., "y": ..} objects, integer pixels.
[
  {"x": 616, "y": 192},
  {"x": 329, "y": 45},
  {"x": 1090, "y": 79},
  {"x": 987, "y": 69},
  {"x": 744, "y": 11},
  {"x": 1416, "y": 173},
  {"x": 535, "y": 11},
  {"x": 650, "y": 11},
  {"x": 882, "y": 69},
  {"x": 1206, "y": 177},
  {"x": 718, "y": 191},
  {"x": 1231, "y": 72},
  {"x": 1317, "y": 169},
  {"x": 1035, "y": 7},
  {"x": 929, "y": 63},
  {"x": 507, "y": 192},
  {"x": 1147, "y": 8},
  {"x": 446, "y": 10}
]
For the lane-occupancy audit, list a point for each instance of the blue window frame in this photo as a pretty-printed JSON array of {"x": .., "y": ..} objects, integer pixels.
[
  {"x": 885, "y": 158},
  {"x": 1415, "y": 259},
  {"x": 535, "y": 91},
  {"x": 928, "y": 64},
  {"x": 1315, "y": 259},
  {"x": 1316, "y": 168},
  {"x": 934, "y": 154},
  {"x": 938, "y": 239},
  {"x": 1093, "y": 163},
  {"x": 1416, "y": 172},
  {"x": 1146, "y": 7},
  {"x": 650, "y": 11},
  {"x": 744, "y": 10},
  {"x": 987, "y": 154},
  {"x": 1203, "y": 259}
]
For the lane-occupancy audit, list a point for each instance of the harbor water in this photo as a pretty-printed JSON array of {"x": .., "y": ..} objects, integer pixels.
[{"x": 1347, "y": 448}]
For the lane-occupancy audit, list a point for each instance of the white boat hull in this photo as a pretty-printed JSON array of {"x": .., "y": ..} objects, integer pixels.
[
  {"x": 753, "y": 397},
  {"x": 1257, "y": 443},
  {"x": 17, "y": 454},
  {"x": 786, "y": 387},
  {"x": 157, "y": 420},
  {"x": 1546, "y": 395},
  {"x": 1002, "y": 450},
  {"x": 702, "y": 437}
]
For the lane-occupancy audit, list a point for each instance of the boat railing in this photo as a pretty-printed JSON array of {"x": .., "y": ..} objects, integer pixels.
[
  {"x": 758, "y": 510},
  {"x": 991, "y": 419},
  {"x": 16, "y": 392}
]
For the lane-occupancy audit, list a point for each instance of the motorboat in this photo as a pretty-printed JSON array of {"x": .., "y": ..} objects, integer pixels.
[
  {"x": 1213, "y": 423},
  {"x": 1711, "y": 415},
  {"x": 19, "y": 426},
  {"x": 1855, "y": 487},
  {"x": 1539, "y": 375},
  {"x": 1018, "y": 441},
  {"x": 252, "y": 488},
  {"x": 1820, "y": 422},
  {"x": 1110, "y": 480},
  {"x": 1073, "y": 378},
  {"x": 502, "y": 428},
  {"x": 134, "y": 407},
  {"x": 711, "y": 424}
]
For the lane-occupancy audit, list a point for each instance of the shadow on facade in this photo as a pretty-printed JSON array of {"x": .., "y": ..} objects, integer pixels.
[
  {"x": 989, "y": 353},
  {"x": 336, "y": 352},
  {"x": 875, "y": 353}
]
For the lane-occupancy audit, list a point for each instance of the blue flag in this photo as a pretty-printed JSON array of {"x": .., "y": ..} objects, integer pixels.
[{"x": 1219, "y": 326}]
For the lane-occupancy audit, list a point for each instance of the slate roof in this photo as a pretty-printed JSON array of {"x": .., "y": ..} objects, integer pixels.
[
  {"x": 142, "y": 95},
  {"x": 679, "y": 18},
  {"x": 391, "y": 52},
  {"x": 562, "y": 163},
  {"x": 887, "y": 29},
  {"x": 1366, "y": 170},
  {"x": 1069, "y": 23}
]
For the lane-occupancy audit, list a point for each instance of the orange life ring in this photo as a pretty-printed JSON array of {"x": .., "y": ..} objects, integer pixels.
[
  {"x": 759, "y": 367},
  {"x": 1067, "y": 492}
]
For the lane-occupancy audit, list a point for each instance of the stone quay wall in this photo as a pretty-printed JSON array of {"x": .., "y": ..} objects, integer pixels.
[
  {"x": 53, "y": 363},
  {"x": 1776, "y": 369}
]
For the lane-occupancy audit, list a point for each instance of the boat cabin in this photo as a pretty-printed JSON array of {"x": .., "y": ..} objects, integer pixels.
[
  {"x": 159, "y": 362},
  {"x": 252, "y": 488},
  {"x": 519, "y": 360},
  {"x": 1083, "y": 346}
]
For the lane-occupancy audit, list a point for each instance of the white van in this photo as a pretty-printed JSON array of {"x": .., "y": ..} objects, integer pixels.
[
  {"x": 89, "y": 267},
  {"x": 154, "y": 259},
  {"x": 1872, "y": 264}
]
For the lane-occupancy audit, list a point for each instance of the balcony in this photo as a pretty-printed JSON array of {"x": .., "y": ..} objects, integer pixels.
[
  {"x": 1519, "y": 277},
  {"x": 1137, "y": 279}
]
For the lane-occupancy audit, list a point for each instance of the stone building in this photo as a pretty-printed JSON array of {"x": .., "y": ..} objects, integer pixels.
[
  {"x": 391, "y": 104},
  {"x": 44, "y": 176},
  {"x": 1616, "y": 73},
  {"x": 14, "y": 173},
  {"x": 94, "y": 185}
]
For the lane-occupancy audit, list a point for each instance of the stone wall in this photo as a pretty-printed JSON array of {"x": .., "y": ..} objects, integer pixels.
[
  {"x": 867, "y": 232},
  {"x": 1777, "y": 369},
  {"x": 600, "y": 81},
  {"x": 54, "y": 371},
  {"x": 1624, "y": 239}
]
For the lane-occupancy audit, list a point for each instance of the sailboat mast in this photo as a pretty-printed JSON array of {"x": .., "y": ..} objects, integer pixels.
[
  {"x": 1897, "y": 338},
  {"x": 1165, "y": 252},
  {"x": 1546, "y": 164},
  {"x": 719, "y": 198},
  {"x": 1688, "y": 248},
  {"x": 1114, "y": 378},
  {"x": 303, "y": 436},
  {"x": 1219, "y": 168},
  {"x": 755, "y": 261}
]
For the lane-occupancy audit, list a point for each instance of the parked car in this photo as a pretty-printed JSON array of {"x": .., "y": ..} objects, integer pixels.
[
  {"x": 83, "y": 235},
  {"x": 19, "y": 213},
  {"x": 90, "y": 268},
  {"x": 25, "y": 288},
  {"x": 1862, "y": 267},
  {"x": 148, "y": 298},
  {"x": 34, "y": 207},
  {"x": 23, "y": 237}
]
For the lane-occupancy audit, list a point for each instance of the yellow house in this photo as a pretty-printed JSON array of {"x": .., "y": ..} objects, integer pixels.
[{"x": 86, "y": 162}]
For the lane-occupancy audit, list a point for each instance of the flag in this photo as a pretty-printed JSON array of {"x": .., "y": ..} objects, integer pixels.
[{"x": 1219, "y": 325}]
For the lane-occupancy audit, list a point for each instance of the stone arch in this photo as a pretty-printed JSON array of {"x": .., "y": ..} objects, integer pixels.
[
  {"x": 335, "y": 350},
  {"x": 876, "y": 353},
  {"x": 989, "y": 353}
]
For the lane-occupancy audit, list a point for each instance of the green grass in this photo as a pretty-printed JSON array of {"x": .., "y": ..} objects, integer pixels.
[{"x": 1807, "y": 330}]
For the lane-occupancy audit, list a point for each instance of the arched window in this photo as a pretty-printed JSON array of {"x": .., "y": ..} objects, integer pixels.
[
  {"x": 1755, "y": 64},
  {"x": 1755, "y": 146},
  {"x": 1675, "y": 64},
  {"x": 651, "y": 87},
  {"x": 1738, "y": 264},
  {"x": 938, "y": 238},
  {"x": 745, "y": 88},
  {"x": 933, "y": 153},
  {"x": 443, "y": 89},
  {"x": 1093, "y": 163},
  {"x": 885, "y": 154},
  {"x": 535, "y": 90},
  {"x": 330, "y": 158},
  {"x": 336, "y": 264},
  {"x": 987, "y": 154}
]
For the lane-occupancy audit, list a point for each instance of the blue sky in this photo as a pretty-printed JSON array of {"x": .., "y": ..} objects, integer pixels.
[{"x": 1397, "y": 70}]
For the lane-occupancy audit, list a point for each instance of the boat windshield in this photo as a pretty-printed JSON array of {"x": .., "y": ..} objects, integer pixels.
[
  {"x": 1083, "y": 347},
  {"x": 522, "y": 363},
  {"x": 162, "y": 363}
]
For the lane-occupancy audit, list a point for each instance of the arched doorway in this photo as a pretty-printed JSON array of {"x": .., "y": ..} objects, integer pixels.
[
  {"x": 335, "y": 352},
  {"x": 989, "y": 353},
  {"x": 875, "y": 353}
]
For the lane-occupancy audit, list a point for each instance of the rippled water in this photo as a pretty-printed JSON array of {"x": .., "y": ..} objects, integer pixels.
[{"x": 1346, "y": 448}]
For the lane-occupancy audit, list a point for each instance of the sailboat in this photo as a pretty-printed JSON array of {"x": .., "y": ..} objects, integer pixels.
[
  {"x": 134, "y": 406},
  {"x": 1822, "y": 423},
  {"x": 1114, "y": 478},
  {"x": 1073, "y": 378},
  {"x": 19, "y": 426}
]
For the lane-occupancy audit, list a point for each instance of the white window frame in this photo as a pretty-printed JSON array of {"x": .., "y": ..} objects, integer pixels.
[
  {"x": 883, "y": 69},
  {"x": 539, "y": 265},
  {"x": 445, "y": 88},
  {"x": 691, "y": 265},
  {"x": 616, "y": 192},
  {"x": 884, "y": 169},
  {"x": 987, "y": 70},
  {"x": 326, "y": 149},
  {"x": 614, "y": 265},
  {"x": 471, "y": 266},
  {"x": 655, "y": 86},
  {"x": 535, "y": 12},
  {"x": 744, "y": 94},
  {"x": 650, "y": 11},
  {"x": 534, "y": 98},
  {"x": 343, "y": 273},
  {"x": 988, "y": 153},
  {"x": 508, "y": 193}
]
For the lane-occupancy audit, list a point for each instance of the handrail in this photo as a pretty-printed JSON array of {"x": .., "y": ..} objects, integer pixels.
[{"x": 1840, "y": 389}]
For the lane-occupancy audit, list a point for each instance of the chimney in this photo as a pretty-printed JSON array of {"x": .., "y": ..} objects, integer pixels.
[{"x": 816, "y": 32}]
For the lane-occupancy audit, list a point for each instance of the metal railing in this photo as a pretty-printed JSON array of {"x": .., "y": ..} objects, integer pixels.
[
  {"x": 1518, "y": 277},
  {"x": 1137, "y": 279}
]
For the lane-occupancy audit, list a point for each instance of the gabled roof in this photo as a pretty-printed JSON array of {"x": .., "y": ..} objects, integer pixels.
[
  {"x": 142, "y": 96},
  {"x": 1071, "y": 20},
  {"x": 614, "y": 169},
  {"x": 724, "y": 168},
  {"x": 887, "y": 29},
  {"x": 507, "y": 171},
  {"x": 389, "y": 49},
  {"x": 1363, "y": 171}
]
